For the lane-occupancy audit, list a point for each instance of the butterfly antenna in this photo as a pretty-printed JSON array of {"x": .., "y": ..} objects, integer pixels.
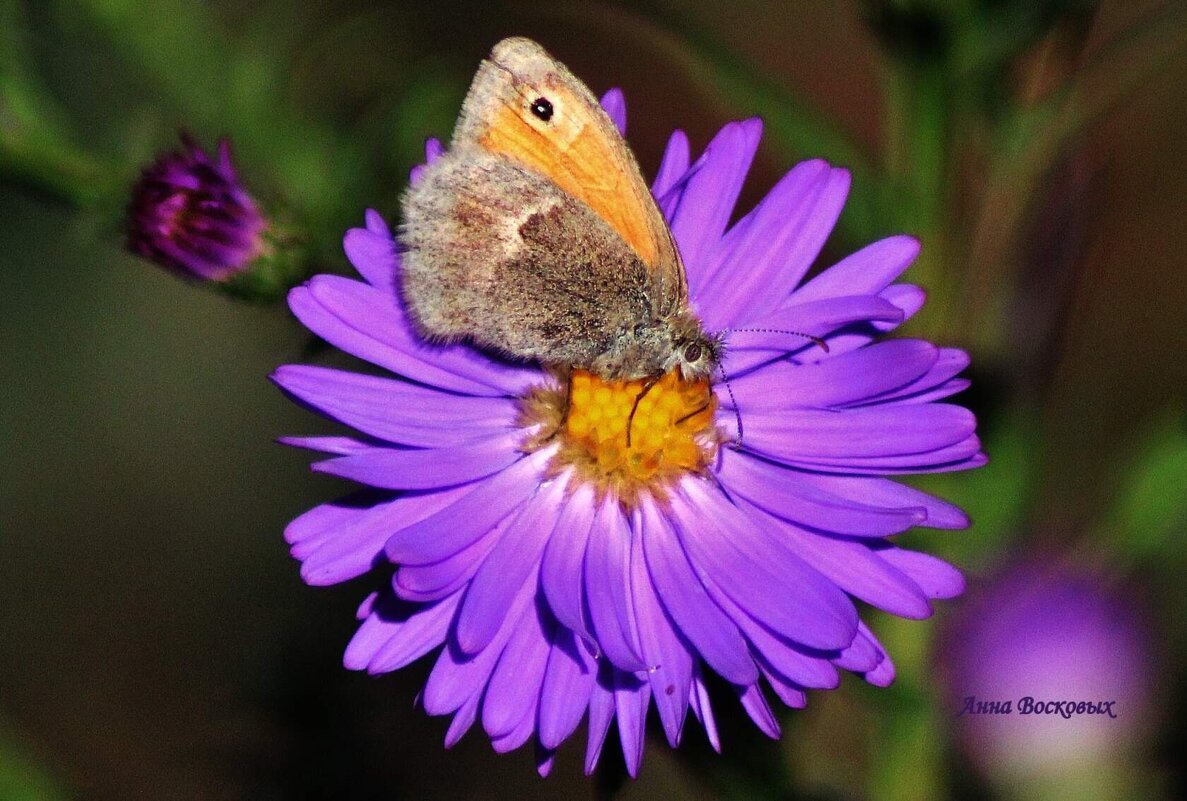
[
  {"x": 820, "y": 343},
  {"x": 725, "y": 379}
]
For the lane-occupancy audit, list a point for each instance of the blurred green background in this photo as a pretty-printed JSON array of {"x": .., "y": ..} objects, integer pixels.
[{"x": 155, "y": 639}]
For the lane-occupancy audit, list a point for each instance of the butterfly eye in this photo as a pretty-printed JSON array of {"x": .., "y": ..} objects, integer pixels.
[
  {"x": 692, "y": 353},
  {"x": 542, "y": 108}
]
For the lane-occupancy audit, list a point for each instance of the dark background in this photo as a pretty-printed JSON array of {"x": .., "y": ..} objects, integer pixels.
[{"x": 155, "y": 638}]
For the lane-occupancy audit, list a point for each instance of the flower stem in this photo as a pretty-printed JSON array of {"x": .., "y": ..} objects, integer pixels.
[{"x": 915, "y": 198}]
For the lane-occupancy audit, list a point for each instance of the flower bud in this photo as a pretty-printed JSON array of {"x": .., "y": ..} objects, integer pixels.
[{"x": 190, "y": 214}]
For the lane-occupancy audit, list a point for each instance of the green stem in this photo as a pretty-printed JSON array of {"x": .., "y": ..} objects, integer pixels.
[
  {"x": 57, "y": 172},
  {"x": 916, "y": 98}
]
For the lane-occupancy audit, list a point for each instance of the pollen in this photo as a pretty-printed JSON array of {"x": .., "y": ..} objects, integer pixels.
[{"x": 626, "y": 438}]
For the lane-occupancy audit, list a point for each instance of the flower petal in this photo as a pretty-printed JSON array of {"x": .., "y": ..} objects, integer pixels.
[
  {"x": 787, "y": 692},
  {"x": 672, "y": 166},
  {"x": 340, "y": 446},
  {"x": 561, "y": 572},
  {"x": 336, "y": 542},
  {"x": 804, "y": 667},
  {"x": 366, "y": 606},
  {"x": 372, "y": 251},
  {"x": 568, "y": 683},
  {"x": 876, "y": 370},
  {"x": 742, "y": 558},
  {"x": 937, "y": 578},
  {"x": 780, "y": 241},
  {"x": 855, "y": 568},
  {"x": 368, "y": 323},
  {"x": 397, "y": 633},
  {"x": 698, "y": 700},
  {"x": 881, "y": 492},
  {"x": 906, "y": 297},
  {"x": 615, "y": 105},
  {"x": 860, "y": 657},
  {"x": 883, "y": 674},
  {"x": 514, "y": 559},
  {"x": 514, "y": 687},
  {"x": 457, "y": 679},
  {"x": 436, "y": 580},
  {"x": 601, "y": 712},
  {"x": 631, "y": 699},
  {"x": 385, "y": 617},
  {"x": 756, "y": 706},
  {"x": 711, "y": 189},
  {"x": 868, "y": 271},
  {"x": 430, "y": 468},
  {"x": 607, "y": 587},
  {"x": 433, "y": 151},
  {"x": 687, "y": 602},
  {"x": 394, "y": 410},
  {"x": 671, "y": 664},
  {"x": 323, "y": 522},
  {"x": 786, "y": 330},
  {"x": 513, "y": 739},
  {"x": 964, "y": 455},
  {"x": 463, "y": 720},
  {"x": 937, "y": 393},
  {"x": 420, "y": 634},
  {"x": 460, "y": 524},
  {"x": 789, "y": 495},
  {"x": 949, "y": 362},
  {"x": 868, "y": 432}
]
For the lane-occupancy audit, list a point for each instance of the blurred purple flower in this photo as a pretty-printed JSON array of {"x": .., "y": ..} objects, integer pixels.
[
  {"x": 549, "y": 601},
  {"x": 1054, "y": 634},
  {"x": 189, "y": 214}
]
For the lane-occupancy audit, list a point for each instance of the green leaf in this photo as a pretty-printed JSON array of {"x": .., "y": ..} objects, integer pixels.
[
  {"x": 37, "y": 148},
  {"x": 1149, "y": 516}
]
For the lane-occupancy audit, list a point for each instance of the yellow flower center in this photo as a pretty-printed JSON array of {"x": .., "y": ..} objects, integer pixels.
[{"x": 625, "y": 437}]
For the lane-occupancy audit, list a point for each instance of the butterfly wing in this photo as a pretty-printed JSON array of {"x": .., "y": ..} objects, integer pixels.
[
  {"x": 575, "y": 145},
  {"x": 501, "y": 256}
]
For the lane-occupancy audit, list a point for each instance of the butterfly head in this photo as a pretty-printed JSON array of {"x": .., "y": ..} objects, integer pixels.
[{"x": 695, "y": 353}]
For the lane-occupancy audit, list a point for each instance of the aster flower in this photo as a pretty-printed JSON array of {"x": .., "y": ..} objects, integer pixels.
[
  {"x": 560, "y": 573},
  {"x": 190, "y": 214}
]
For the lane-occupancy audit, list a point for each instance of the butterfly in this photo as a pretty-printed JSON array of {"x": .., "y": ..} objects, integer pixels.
[{"x": 535, "y": 235}]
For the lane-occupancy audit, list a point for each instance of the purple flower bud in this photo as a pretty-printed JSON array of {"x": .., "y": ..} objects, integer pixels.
[{"x": 190, "y": 214}]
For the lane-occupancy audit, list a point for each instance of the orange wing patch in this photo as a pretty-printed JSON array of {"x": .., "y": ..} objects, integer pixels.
[{"x": 588, "y": 165}]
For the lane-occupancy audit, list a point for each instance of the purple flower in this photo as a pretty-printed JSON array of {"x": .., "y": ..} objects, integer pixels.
[
  {"x": 1060, "y": 636},
  {"x": 189, "y": 214},
  {"x": 559, "y": 574}
]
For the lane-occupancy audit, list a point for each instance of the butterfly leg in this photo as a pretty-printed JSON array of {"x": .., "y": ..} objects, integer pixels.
[
  {"x": 630, "y": 421},
  {"x": 692, "y": 414},
  {"x": 703, "y": 407}
]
